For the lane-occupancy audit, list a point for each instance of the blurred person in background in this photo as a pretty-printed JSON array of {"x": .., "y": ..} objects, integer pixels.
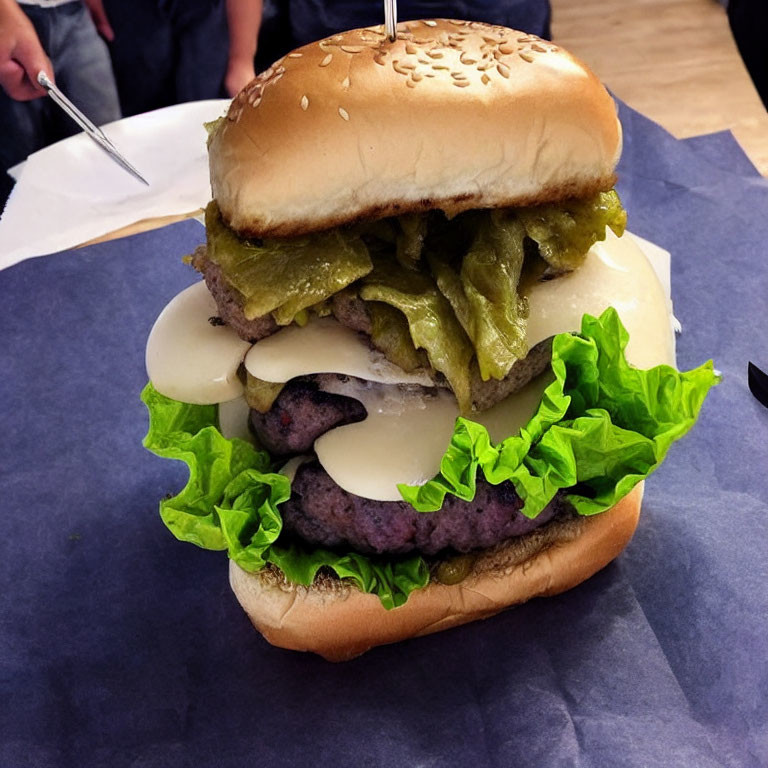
[
  {"x": 170, "y": 51},
  {"x": 173, "y": 51},
  {"x": 61, "y": 38},
  {"x": 288, "y": 24},
  {"x": 312, "y": 19}
]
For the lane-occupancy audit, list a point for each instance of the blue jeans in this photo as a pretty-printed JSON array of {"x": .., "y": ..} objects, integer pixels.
[{"x": 82, "y": 70}]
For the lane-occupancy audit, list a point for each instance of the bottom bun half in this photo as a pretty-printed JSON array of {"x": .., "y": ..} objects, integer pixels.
[{"x": 339, "y": 622}]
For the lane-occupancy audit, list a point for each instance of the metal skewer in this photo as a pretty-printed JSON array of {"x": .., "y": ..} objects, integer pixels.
[
  {"x": 96, "y": 134},
  {"x": 390, "y": 19}
]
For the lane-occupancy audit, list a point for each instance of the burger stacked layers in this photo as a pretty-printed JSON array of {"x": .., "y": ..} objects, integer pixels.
[{"x": 398, "y": 405}]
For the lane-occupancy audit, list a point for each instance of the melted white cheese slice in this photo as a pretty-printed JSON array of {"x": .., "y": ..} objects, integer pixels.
[
  {"x": 616, "y": 274},
  {"x": 509, "y": 416},
  {"x": 289, "y": 468},
  {"x": 323, "y": 346},
  {"x": 233, "y": 419},
  {"x": 189, "y": 359},
  {"x": 400, "y": 441}
]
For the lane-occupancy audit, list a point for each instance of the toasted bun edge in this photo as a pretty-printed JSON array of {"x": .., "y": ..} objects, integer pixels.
[{"x": 342, "y": 623}]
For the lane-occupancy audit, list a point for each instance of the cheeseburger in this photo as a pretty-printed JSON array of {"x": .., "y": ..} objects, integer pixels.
[{"x": 425, "y": 373}]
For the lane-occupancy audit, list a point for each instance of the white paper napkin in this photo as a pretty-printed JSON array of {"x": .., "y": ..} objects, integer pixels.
[{"x": 71, "y": 192}]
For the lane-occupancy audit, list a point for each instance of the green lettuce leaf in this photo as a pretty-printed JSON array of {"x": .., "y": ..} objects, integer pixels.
[
  {"x": 601, "y": 427},
  {"x": 231, "y": 502}
]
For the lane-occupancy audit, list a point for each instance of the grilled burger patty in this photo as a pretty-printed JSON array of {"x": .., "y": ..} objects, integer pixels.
[
  {"x": 300, "y": 414},
  {"x": 321, "y": 512}
]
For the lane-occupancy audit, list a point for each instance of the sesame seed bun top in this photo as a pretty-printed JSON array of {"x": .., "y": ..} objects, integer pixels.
[{"x": 452, "y": 115}]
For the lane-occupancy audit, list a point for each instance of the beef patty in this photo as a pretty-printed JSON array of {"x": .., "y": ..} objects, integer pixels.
[
  {"x": 322, "y": 513},
  {"x": 300, "y": 414}
]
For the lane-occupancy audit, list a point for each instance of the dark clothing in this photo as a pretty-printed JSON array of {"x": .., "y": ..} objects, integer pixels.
[
  {"x": 289, "y": 24},
  {"x": 168, "y": 51},
  {"x": 749, "y": 22},
  {"x": 314, "y": 19}
]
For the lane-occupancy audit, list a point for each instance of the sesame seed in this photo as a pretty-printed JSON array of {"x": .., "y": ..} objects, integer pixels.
[
  {"x": 485, "y": 79},
  {"x": 410, "y": 48},
  {"x": 379, "y": 60},
  {"x": 327, "y": 60},
  {"x": 344, "y": 114},
  {"x": 507, "y": 48},
  {"x": 461, "y": 83},
  {"x": 526, "y": 57},
  {"x": 345, "y": 82},
  {"x": 295, "y": 55},
  {"x": 434, "y": 54},
  {"x": 351, "y": 48},
  {"x": 538, "y": 48},
  {"x": 304, "y": 102},
  {"x": 503, "y": 70},
  {"x": 430, "y": 23},
  {"x": 410, "y": 83}
]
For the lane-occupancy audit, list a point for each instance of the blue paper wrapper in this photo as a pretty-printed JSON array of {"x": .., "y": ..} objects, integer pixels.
[{"x": 121, "y": 646}]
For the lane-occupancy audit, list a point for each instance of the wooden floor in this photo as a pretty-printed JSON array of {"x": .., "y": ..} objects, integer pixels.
[{"x": 673, "y": 60}]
